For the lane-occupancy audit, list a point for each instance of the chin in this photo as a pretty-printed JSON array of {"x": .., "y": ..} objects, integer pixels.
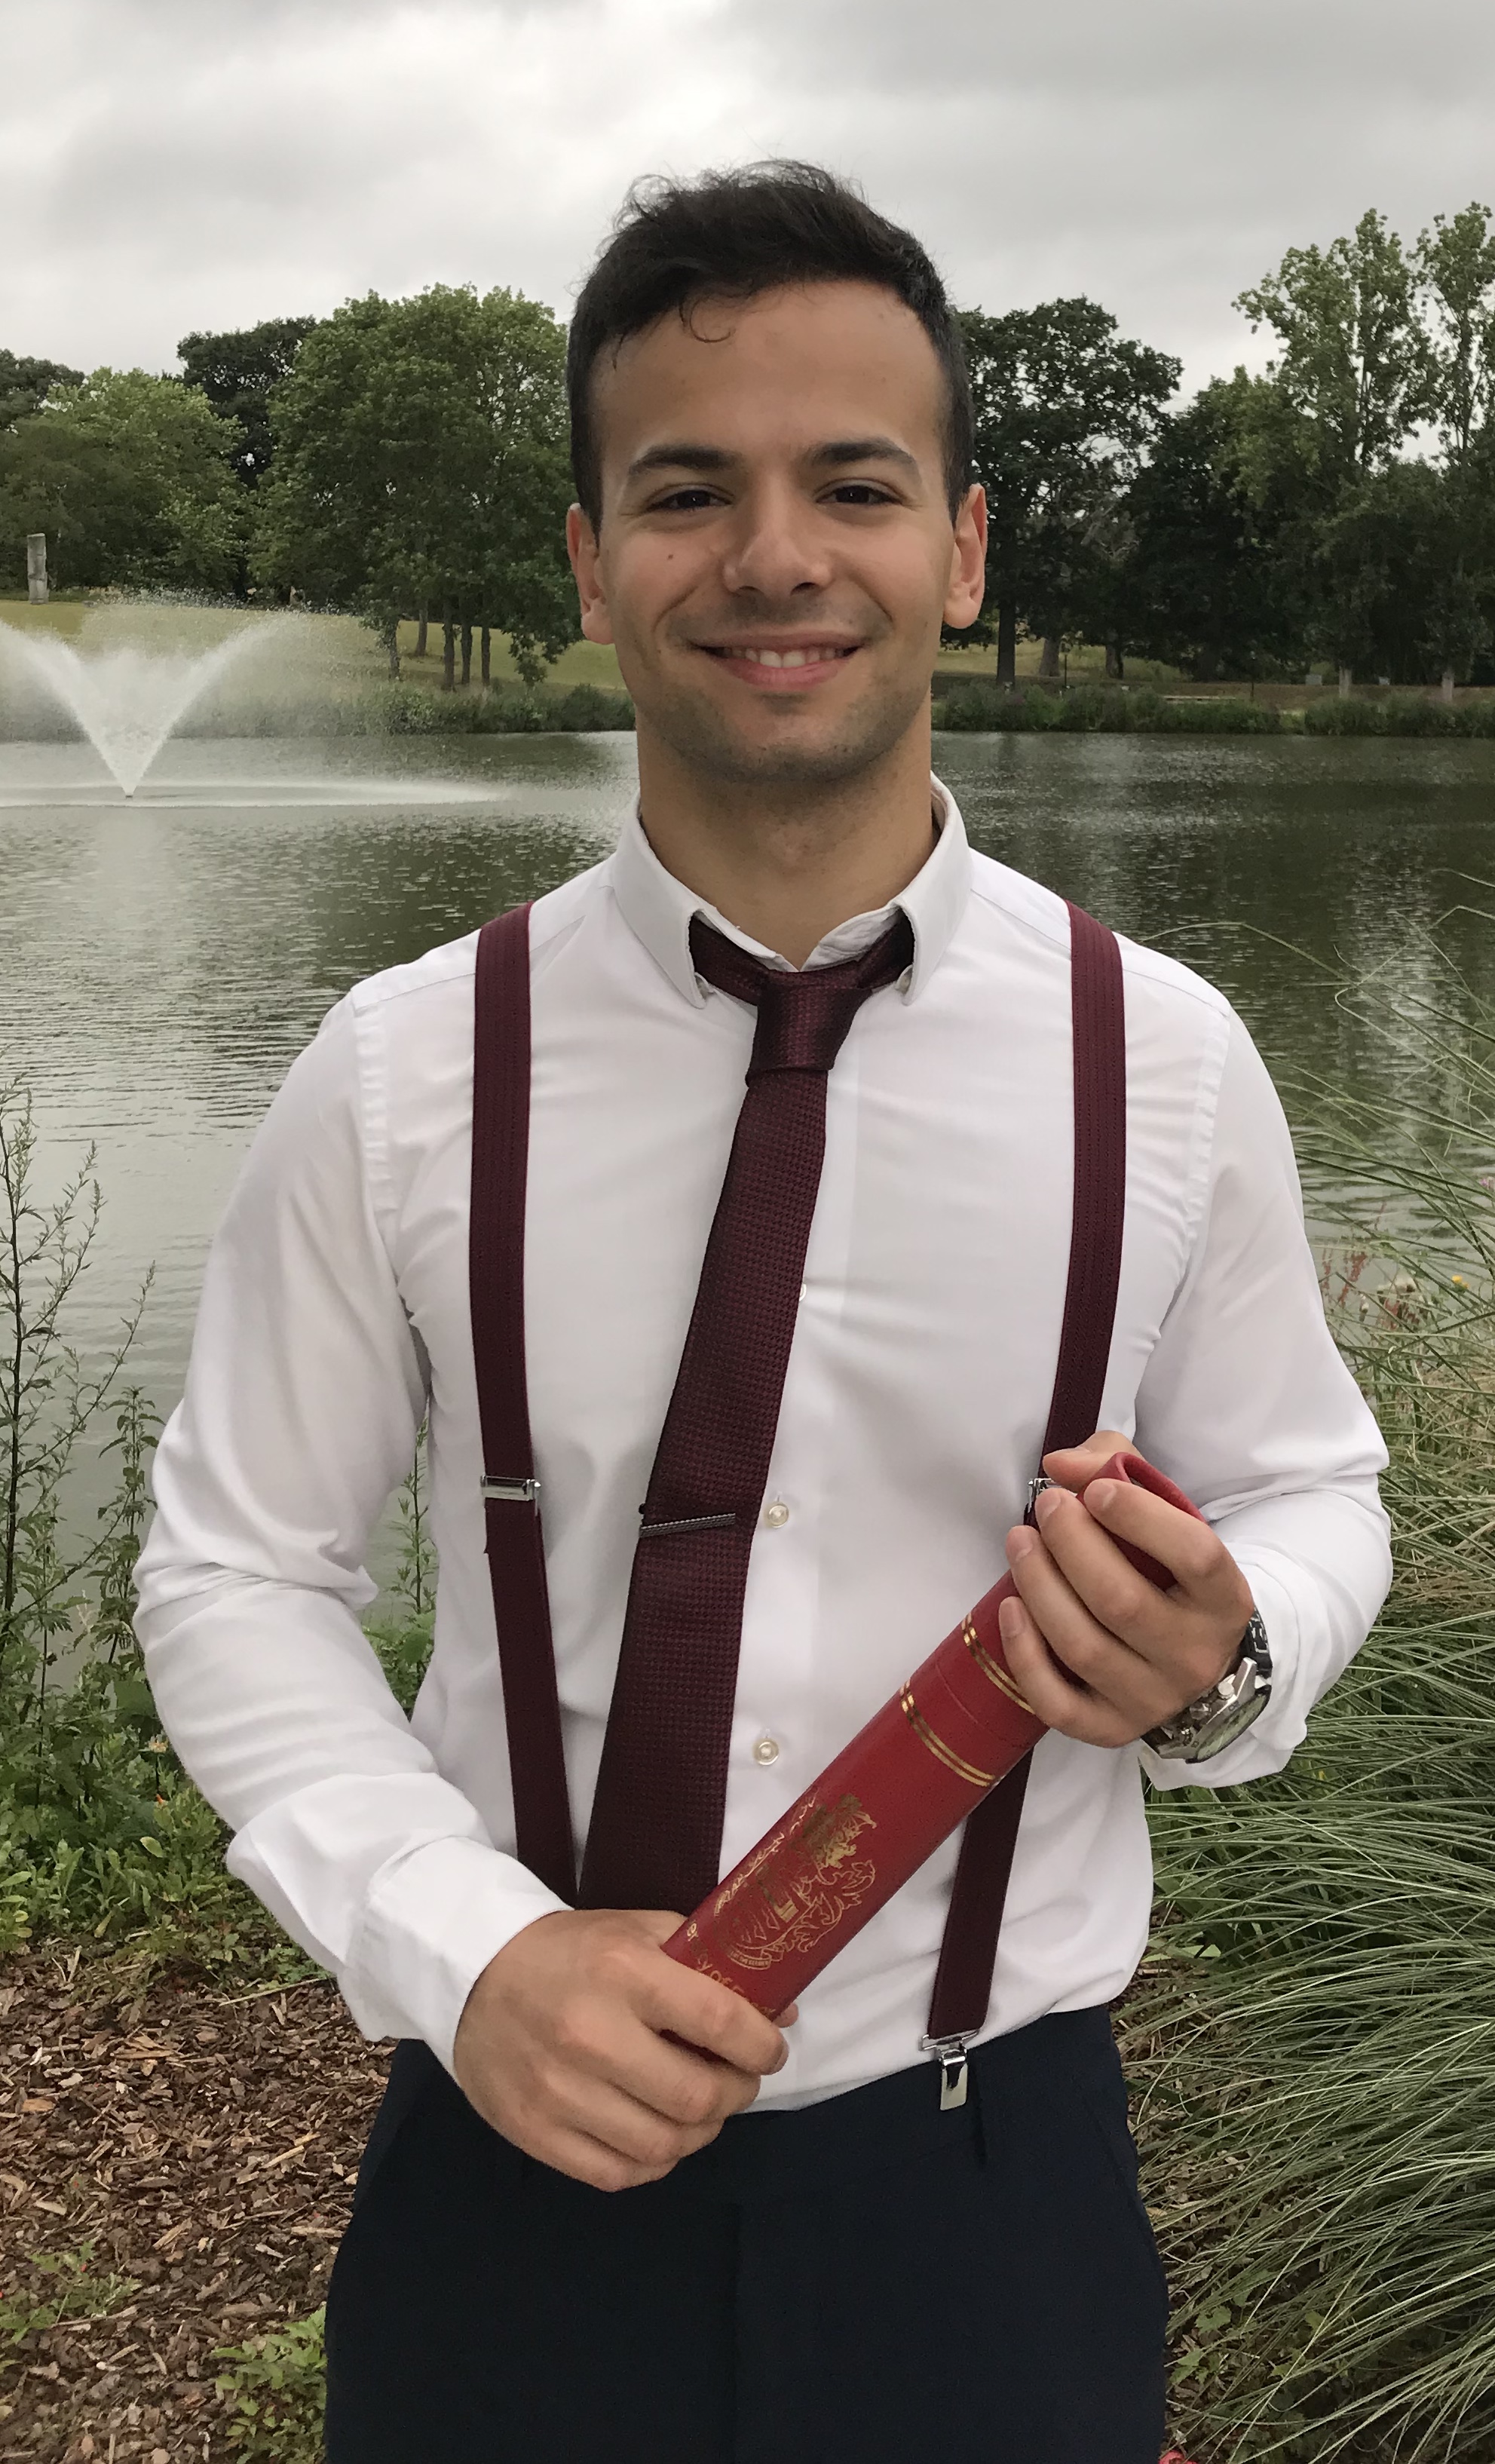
[{"x": 705, "y": 739}]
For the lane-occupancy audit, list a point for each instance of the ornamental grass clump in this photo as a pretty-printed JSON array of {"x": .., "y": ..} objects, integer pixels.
[{"x": 1314, "y": 2036}]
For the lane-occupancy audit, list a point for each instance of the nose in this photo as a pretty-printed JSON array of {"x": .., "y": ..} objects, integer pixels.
[{"x": 775, "y": 547}]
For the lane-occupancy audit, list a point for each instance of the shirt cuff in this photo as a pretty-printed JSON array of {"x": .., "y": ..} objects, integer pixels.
[
  {"x": 433, "y": 1922},
  {"x": 394, "y": 1884}
]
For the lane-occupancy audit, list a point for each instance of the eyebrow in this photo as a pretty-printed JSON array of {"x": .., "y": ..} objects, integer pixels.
[
  {"x": 862, "y": 448},
  {"x": 836, "y": 455}
]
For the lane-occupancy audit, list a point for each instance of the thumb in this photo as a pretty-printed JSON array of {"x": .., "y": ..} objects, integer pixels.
[{"x": 1071, "y": 1466}]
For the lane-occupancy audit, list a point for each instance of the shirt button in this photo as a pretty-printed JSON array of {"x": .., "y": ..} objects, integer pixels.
[
  {"x": 766, "y": 1750},
  {"x": 775, "y": 1516}
]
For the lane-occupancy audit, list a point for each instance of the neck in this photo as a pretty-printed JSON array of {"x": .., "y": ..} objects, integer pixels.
[{"x": 787, "y": 864}]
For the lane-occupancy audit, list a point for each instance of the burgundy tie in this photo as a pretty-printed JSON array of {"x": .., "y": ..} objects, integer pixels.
[{"x": 655, "y": 1835}]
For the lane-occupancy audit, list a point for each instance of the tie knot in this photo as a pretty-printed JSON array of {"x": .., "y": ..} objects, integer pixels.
[{"x": 803, "y": 1014}]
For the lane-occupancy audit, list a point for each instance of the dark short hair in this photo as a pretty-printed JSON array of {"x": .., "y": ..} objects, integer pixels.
[{"x": 733, "y": 234}]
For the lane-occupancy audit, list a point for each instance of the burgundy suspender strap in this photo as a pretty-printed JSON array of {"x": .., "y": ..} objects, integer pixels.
[
  {"x": 968, "y": 1954},
  {"x": 511, "y": 1491}
]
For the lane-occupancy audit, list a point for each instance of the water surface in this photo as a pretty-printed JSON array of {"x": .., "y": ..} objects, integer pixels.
[{"x": 162, "y": 961}]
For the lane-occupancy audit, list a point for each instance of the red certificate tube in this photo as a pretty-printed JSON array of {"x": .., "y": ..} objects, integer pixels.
[{"x": 904, "y": 1784}]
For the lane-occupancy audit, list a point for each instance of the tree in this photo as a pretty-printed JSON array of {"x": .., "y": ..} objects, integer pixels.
[
  {"x": 1211, "y": 581},
  {"x": 1064, "y": 409},
  {"x": 422, "y": 461},
  {"x": 1400, "y": 599},
  {"x": 26, "y": 383},
  {"x": 238, "y": 373},
  {"x": 1455, "y": 264},
  {"x": 1353, "y": 360},
  {"x": 131, "y": 477}
]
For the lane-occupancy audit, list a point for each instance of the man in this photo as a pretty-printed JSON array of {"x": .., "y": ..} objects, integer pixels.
[{"x": 572, "y": 2238}]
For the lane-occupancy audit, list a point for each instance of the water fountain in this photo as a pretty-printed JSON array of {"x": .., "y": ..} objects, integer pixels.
[
  {"x": 265, "y": 697},
  {"x": 127, "y": 698}
]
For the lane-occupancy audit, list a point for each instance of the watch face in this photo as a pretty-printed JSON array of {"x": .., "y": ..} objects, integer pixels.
[
  {"x": 1228, "y": 1724},
  {"x": 1205, "y": 1728}
]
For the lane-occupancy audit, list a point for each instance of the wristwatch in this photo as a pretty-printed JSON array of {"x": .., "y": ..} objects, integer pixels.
[{"x": 1205, "y": 1726}]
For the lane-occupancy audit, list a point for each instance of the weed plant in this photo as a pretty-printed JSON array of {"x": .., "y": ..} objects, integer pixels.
[
  {"x": 275, "y": 2387},
  {"x": 1315, "y": 2034},
  {"x": 103, "y": 1836}
]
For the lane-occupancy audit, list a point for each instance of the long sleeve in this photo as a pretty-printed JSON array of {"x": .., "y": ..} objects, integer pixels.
[
  {"x": 1246, "y": 1400},
  {"x": 303, "y": 1400}
]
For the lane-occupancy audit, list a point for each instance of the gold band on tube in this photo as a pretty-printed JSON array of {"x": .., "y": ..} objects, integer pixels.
[
  {"x": 989, "y": 1668},
  {"x": 937, "y": 1746}
]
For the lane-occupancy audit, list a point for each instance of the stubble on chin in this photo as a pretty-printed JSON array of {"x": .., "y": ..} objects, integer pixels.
[{"x": 704, "y": 741}]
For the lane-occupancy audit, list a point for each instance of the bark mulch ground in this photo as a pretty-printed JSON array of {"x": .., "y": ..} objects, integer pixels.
[{"x": 180, "y": 2163}]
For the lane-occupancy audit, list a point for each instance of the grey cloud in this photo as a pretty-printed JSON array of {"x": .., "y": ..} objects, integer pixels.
[{"x": 165, "y": 164}]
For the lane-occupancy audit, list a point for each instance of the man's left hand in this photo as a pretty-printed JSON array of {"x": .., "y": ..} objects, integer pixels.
[{"x": 1100, "y": 1653}]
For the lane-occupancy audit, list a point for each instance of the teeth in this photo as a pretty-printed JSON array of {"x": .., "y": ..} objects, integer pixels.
[{"x": 790, "y": 658}]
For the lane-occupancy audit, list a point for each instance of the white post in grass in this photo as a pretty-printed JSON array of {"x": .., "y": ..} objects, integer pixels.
[{"x": 37, "y": 568}]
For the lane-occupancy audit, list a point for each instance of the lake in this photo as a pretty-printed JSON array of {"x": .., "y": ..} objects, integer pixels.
[{"x": 160, "y": 962}]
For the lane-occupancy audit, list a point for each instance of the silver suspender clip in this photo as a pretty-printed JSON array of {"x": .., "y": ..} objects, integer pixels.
[
  {"x": 1036, "y": 1488},
  {"x": 949, "y": 2052},
  {"x": 511, "y": 1492}
]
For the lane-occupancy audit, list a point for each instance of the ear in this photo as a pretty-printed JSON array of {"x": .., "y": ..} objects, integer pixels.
[
  {"x": 585, "y": 551},
  {"x": 967, "y": 561}
]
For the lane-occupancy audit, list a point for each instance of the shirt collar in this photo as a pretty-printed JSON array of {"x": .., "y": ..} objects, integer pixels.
[{"x": 660, "y": 910}]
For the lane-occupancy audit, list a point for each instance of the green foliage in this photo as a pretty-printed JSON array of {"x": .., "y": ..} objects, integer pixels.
[
  {"x": 131, "y": 477},
  {"x": 102, "y": 1834},
  {"x": 63, "y": 2285},
  {"x": 1322, "y": 2009},
  {"x": 1353, "y": 356},
  {"x": 1456, "y": 266},
  {"x": 275, "y": 2387},
  {"x": 26, "y": 383},
  {"x": 421, "y": 464},
  {"x": 403, "y": 1639},
  {"x": 1208, "y": 586},
  {"x": 503, "y": 710},
  {"x": 1094, "y": 710},
  {"x": 238, "y": 373},
  {"x": 1064, "y": 409}
]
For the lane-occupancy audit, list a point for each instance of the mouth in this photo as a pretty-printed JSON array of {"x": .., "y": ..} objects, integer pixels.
[{"x": 782, "y": 668}]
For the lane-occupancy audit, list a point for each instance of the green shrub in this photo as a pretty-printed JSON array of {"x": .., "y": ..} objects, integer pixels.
[
  {"x": 103, "y": 1836},
  {"x": 1348, "y": 717},
  {"x": 499, "y": 710},
  {"x": 275, "y": 2388}
]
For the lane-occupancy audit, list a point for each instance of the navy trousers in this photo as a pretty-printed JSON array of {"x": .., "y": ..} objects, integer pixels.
[{"x": 864, "y": 2278}]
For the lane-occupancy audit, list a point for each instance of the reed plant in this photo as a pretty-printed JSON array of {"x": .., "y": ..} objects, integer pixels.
[{"x": 1313, "y": 2038}]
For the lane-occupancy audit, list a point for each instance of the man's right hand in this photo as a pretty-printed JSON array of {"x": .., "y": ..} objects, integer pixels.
[{"x": 564, "y": 2047}]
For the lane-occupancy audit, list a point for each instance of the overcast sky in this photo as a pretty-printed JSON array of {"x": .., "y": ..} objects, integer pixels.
[{"x": 167, "y": 165}]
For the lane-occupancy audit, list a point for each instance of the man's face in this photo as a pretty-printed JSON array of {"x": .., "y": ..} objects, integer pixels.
[{"x": 776, "y": 554}]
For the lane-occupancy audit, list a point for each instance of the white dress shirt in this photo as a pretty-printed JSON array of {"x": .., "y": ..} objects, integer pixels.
[{"x": 335, "y": 1314}]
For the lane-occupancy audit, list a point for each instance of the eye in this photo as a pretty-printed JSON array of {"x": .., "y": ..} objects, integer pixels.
[
  {"x": 684, "y": 501},
  {"x": 860, "y": 492}
]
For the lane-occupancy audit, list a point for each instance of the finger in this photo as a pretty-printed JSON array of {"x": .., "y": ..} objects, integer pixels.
[
  {"x": 1073, "y": 1576},
  {"x": 585, "y": 2159},
  {"x": 597, "y": 2109},
  {"x": 1088, "y": 1653},
  {"x": 1093, "y": 1567},
  {"x": 1195, "y": 1555},
  {"x": 711, "y": 2017},
  {"x": 1073, "y": 1465},
  {"x": 1056, "y": 1699},
  {"x": 684, "y": 2087}
]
